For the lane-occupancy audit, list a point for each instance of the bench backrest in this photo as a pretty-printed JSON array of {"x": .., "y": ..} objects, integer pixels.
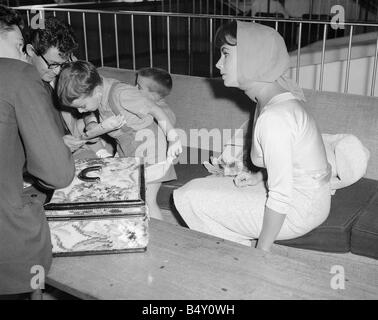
[{"x": 206, "y": 103}]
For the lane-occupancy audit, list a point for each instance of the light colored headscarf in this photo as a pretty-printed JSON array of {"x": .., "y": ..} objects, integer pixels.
[{"x": 263, "y": 57}]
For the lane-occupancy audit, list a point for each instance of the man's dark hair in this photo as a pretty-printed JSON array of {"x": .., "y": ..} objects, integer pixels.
[
  {"x": 9, "y": 18},
  {"x": 55, "y": 34}
]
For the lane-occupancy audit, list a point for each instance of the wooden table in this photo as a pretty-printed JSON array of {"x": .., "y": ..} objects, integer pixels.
[{"x": 184, "y": 264}]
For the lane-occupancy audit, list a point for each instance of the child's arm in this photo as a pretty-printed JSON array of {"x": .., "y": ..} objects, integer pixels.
[
  {"x": 171, "y": 116},
  {"x": 108, "y": 125},
  {"x": 90, "y": 121},
  {"x": 175, "y": 147}
]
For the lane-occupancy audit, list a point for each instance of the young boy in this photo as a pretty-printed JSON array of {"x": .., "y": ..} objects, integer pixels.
[
  {"x": 156, "y": 84},
  {"x": 81, "y": 87}
]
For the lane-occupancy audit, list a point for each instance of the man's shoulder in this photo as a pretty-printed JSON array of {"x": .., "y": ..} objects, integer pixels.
[
  {"x": 16, "y": 70},
  {"x": 13, "y": 64}
]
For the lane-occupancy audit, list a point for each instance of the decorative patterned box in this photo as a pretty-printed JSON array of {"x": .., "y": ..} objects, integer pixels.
[{"x": 102, "y": 211}]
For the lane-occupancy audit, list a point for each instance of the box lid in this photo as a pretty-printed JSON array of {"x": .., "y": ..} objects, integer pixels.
[{"x": 109, "y": 182}]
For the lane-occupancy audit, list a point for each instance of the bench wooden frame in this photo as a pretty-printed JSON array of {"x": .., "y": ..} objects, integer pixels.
[{"x": 185, "y": 264}]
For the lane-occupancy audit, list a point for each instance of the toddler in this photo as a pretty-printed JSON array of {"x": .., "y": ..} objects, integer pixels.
[{"x": 156, "y": 84}]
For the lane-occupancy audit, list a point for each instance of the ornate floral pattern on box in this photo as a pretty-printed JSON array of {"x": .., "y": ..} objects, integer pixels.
[
  {"x": 95, "y": 235},
  {"x": 119, "y": 180},
  {"x": 97, "y": 217}
]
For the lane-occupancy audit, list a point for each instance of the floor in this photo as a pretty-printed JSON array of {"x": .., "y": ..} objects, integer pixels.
[{"x": 358, "y": 267}]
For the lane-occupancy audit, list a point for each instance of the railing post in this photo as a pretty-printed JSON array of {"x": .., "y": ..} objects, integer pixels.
[
  {"x": 323, "y": 57},
  {"x": 100, "y": 39},
  {"x": 68, "y": 18},
  {"x": 116, "y": 38},
  {"x": 348, "y": 60},
  {"x": 28, "y": 17},
  {"x": 133, "y": 41},
  {"x": 168, "y": 45},
  {"x": 85, "y": 37},
  {"x": 372, "y": 92},
  {"x": 150, "y": 39},
  {"x": 299, "y": 51},
  {"x": 189, "y": 48},
  {"x": 211, "y": 46}
]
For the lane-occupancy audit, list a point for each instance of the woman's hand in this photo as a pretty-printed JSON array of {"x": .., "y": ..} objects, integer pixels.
[
  {"x": 113, "y": 123},
  {"x": 72, "y": 142},
  {"x": 247, "y": 178}
]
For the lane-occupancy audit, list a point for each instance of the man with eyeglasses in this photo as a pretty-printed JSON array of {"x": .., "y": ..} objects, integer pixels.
[{"x": 48, "y": 49}]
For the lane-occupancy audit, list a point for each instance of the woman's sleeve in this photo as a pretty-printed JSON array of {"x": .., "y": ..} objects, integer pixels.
[
  {"x": 47, "y": 157},
  {"x": 275, "y": 136}
]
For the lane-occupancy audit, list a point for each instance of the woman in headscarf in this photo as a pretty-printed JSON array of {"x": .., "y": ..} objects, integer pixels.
[{"x": 286, "y": 142}]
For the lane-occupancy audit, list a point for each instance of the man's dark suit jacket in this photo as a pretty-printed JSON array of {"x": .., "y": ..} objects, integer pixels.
[{"x": 30, "y": 138}]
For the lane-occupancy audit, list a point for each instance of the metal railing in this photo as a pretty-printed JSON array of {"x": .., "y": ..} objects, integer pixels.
[{"x": 165, "y": 34}]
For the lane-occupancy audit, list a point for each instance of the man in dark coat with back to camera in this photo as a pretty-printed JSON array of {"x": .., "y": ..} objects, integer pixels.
[{"x": 30, "y": 139}]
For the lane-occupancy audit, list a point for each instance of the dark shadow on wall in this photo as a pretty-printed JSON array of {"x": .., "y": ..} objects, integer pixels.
[
  {"x": 243, "y": 102},
  {"x": 235, "y": 95}
]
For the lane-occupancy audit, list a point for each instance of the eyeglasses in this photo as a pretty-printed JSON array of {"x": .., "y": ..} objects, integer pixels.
[{"x": 55, "y": 65}]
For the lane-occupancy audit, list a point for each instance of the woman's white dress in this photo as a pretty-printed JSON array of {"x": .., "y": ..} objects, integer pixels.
[{"x": 287, "y": 142}]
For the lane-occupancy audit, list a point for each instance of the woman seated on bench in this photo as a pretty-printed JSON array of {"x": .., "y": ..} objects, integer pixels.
[{"x": 286, "y": 142}]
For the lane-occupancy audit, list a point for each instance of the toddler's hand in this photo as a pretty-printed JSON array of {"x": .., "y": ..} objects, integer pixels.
[
  {"x": 174, "y": 149},
  {"x": 72, "y": 142},
  {"x": 113, "y": 123}
]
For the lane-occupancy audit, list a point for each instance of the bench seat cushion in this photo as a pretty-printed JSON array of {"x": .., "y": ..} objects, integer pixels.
[
  {"x": 364, "y": 240},
  {"x": 332, "y": 236}
]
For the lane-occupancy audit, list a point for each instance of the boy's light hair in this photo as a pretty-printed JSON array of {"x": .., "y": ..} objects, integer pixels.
[
  {"x": 76, "y": 80},
  {"x": 162, "y": 80}
]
